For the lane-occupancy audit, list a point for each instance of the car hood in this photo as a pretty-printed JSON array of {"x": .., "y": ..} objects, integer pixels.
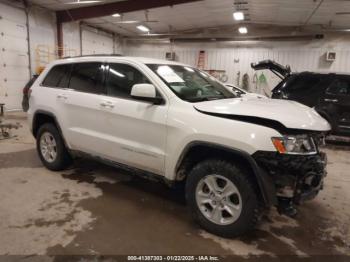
[{"x": 288, "y": 114}]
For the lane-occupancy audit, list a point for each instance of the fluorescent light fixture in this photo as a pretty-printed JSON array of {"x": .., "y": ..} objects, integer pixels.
[
  {"x": 243, "y": 30},
  {"x": 128, "y": 22},
  {"x": 116, "y": 73},
  {"x": 116, "y": 15},
  {"x": 143, "y": 28},
  {"x": 238, "y": 16},
  {"x": 189, "y": 69},
  {"x": 204, "y": 74},
  {"x": 78, "y": 2}
]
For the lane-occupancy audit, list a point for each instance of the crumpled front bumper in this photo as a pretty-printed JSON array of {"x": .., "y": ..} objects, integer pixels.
[{"x": 295, "y": 177}]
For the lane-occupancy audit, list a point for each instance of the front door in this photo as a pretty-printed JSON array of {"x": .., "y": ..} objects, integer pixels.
[{"x": 135, "y": 131}]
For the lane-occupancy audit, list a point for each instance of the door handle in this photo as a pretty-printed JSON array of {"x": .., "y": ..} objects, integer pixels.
[
  {"x": 107, "y": 104},
  {"x": 331, "y": 100},
  {"x": 62, "y": 96}
]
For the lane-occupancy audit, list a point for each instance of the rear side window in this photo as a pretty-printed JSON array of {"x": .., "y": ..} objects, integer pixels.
[
  {"x": 87, "y": 78},
  {"x": 121, "y": 78},
  {"x": 340, "y": 87},
  {"x": 58, "y": 77}
]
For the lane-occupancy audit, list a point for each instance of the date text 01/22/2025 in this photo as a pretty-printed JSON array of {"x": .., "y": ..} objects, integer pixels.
[{"x": 173, "y": 258}]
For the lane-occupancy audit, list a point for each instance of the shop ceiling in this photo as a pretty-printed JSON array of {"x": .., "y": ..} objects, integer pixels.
[{"x": 206, "y": 18}]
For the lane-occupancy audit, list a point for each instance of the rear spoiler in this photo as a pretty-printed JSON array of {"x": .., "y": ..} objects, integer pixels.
[{"x": 278, "y": 69}]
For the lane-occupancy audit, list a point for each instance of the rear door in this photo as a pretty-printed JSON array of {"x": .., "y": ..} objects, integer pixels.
[
  {"x": 83, "y": 107},
  {"x": 336, "y": 102},
  {"x": 49, "y": 96}
]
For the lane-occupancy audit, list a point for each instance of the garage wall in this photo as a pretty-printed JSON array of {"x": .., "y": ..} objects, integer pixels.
[
  {"x": 71, "y": 38},
  {"x": 236, "y": 58},
  {"x": 93, "y": 41},
  {"x": 42, "y": 33},
  {"x": 96, "y": 42},
  {"x": 14, "y": 54},
  {"x": 14, "y": 61}
]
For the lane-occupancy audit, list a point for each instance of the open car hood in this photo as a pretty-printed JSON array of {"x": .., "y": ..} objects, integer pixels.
[
  {"x": 278, "y": 69},
  {"x": 274, "y": 113}
]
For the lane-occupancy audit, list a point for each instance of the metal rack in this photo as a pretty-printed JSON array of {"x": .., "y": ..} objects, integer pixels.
[{"x": 5, "y": 128}]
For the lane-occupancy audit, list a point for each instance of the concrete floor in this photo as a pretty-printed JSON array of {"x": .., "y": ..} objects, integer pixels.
[{"x": 95, "y": 209}]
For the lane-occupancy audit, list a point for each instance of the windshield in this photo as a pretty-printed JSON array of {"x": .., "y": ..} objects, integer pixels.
[{"x": 191, "y": 84}]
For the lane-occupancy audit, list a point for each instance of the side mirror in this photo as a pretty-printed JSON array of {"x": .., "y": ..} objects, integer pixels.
[{"x": 146, "y": 92}]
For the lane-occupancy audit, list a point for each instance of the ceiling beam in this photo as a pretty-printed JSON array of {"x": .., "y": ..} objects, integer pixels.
[{"x": 112, "y": 8}]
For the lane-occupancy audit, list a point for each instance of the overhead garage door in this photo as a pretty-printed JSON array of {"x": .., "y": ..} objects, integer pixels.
[
  {"x": 14, "y": 63},
  {"x": 96, "y": 43}
]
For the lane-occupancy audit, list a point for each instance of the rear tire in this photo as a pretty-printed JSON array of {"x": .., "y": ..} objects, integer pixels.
[
  {"x": 223, "y": 214},
  {"x": 51, "y": 148}
]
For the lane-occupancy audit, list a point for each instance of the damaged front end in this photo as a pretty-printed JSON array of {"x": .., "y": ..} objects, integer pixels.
[{"x": 297, "y": 176}]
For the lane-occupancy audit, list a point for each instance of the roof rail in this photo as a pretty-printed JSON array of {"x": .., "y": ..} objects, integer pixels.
[{"x": 92, "y": 55}]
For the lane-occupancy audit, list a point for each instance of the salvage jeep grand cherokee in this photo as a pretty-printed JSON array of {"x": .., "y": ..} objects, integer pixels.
[{"x": 237, "y": 156}]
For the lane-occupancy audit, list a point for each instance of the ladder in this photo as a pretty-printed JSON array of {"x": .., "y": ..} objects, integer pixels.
[{"x": 201, "y": 60}]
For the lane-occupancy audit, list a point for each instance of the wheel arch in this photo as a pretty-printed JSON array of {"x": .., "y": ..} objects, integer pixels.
[
  {"x": 42, "y": 117},
  {"x": 196, "y": 151}
]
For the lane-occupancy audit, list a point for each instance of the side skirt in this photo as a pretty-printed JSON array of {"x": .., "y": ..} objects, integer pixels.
[{"x": 133, "y": 171}]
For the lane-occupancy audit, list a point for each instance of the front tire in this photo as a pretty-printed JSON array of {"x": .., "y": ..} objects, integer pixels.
[
  {"x": 51, "y": 148},
  {"x": 221, "y": 198}
]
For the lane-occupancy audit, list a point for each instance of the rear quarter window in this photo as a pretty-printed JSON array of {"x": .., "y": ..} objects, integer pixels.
[{"x": 303, "y": 83}]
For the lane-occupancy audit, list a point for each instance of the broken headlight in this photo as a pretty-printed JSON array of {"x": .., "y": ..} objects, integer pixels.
[{"x": 295, "y": 145}]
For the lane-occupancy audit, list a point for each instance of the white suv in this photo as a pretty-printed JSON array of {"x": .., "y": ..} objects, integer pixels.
[{"x": 237, "y": 156}]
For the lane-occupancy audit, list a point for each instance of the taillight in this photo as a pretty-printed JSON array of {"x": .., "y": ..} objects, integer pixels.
[{"x": 26, "y": 90}]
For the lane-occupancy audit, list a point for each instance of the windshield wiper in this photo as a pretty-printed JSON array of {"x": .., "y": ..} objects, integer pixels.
[{"x": 204, "y": 98}]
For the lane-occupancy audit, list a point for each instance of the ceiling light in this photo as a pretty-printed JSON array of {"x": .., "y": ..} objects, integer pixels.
[
  {"x": 238, "y": 16},
  {"x": 242, "y": 30},
  {"x": 143, "y": 28},
  {"x": 128, "y": 22},
  {"x": 78, "y": 2},
  {"x": 189, "y": 69},
  {"x": 116, "y": 73},
  {"x": 116, "y": 15}
]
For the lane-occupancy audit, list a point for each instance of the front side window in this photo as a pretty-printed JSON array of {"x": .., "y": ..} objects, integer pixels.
[
  {"x": 191, "y": 84},
  {"x": 87, "y": 78},
  {"x": 121, "y": 78},
  {"x": 339, "y": 87},
  {"x": 58, "y": 76}
]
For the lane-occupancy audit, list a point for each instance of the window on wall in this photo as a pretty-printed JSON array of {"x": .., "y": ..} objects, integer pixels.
[
  {"x": 340, "y": 87},
  {"x": 87, "y": 78},
  {"x": 121, "y": 78},
  {"x": 58, "y": 77}
]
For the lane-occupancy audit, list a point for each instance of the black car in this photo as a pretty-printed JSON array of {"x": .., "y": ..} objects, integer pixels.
[{"x": 328, "y": 93}]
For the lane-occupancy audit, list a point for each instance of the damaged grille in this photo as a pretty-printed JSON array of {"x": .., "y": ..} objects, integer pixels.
[{"x": 299, "y": 177}]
